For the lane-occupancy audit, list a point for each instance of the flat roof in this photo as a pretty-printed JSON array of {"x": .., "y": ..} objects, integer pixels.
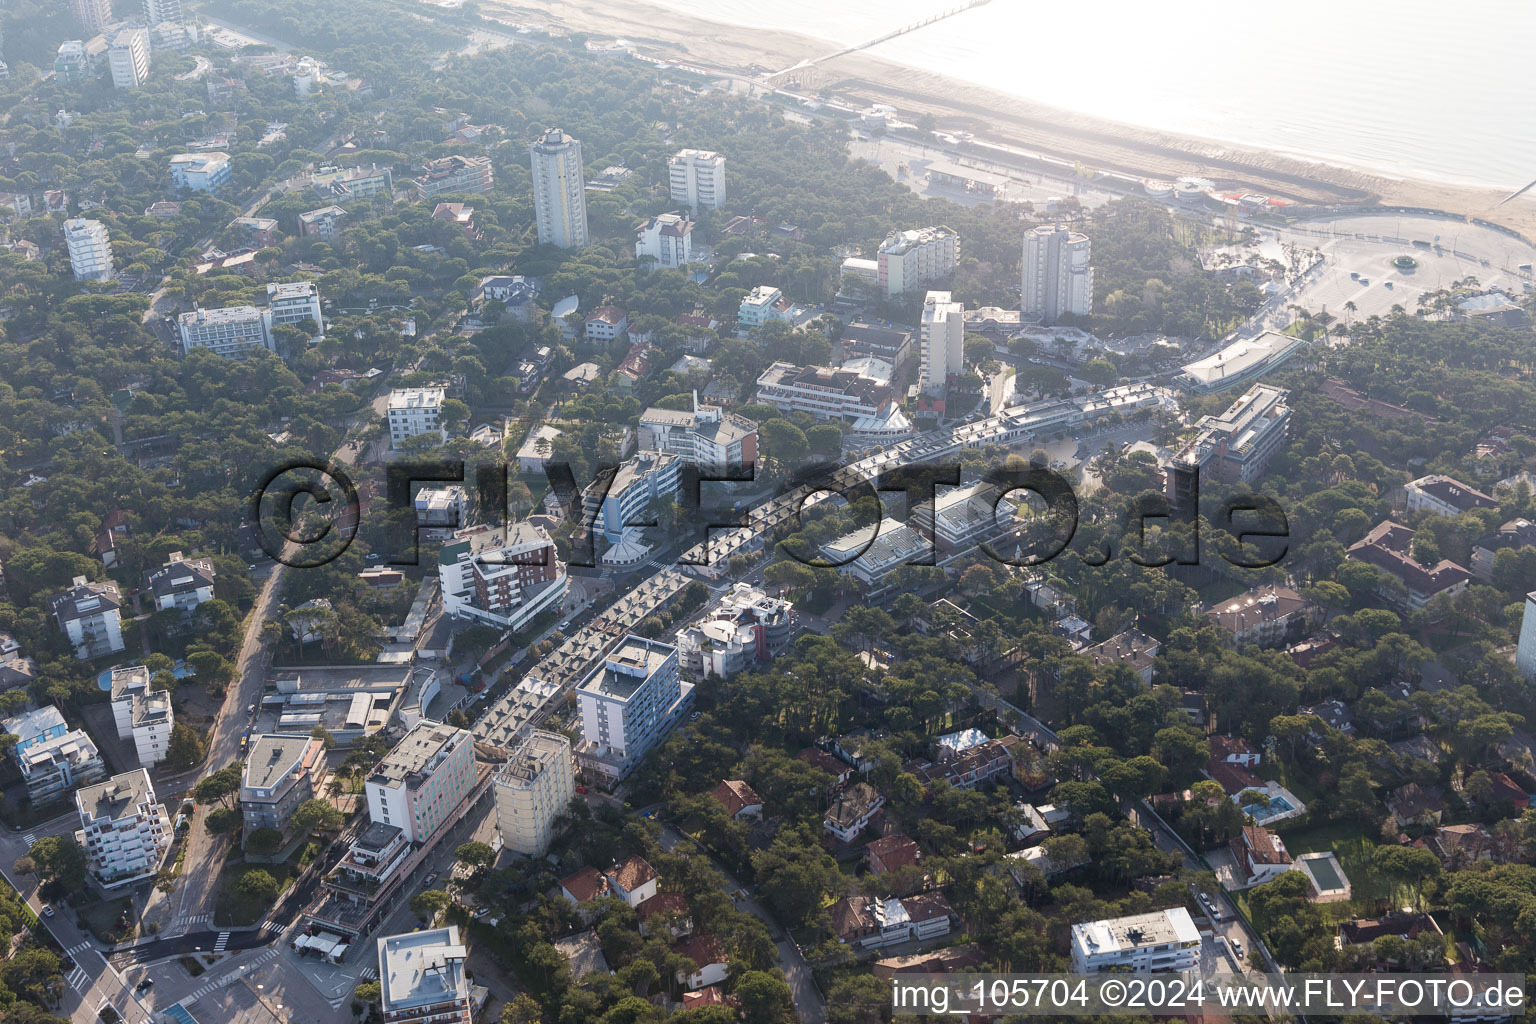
[
  {"x": 627, "y": 667},
  {"x": 416, "y": 753},
  {"x": 273, "y": 757},
  {"x": 116, "y": 797},
  {"x": 1138, "y": 931},
  {"x": 422, "y": 968}
]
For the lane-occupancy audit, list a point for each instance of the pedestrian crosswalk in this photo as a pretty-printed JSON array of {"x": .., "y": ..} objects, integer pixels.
[
  {"x": 188, "y": 920},
  {"x": 369, "y": 974},
  {"x": 30, "y": 838},
  {"x": 79, "y": 947},
  {"x": 78, "y": 979},
  {"x": 218, "y": 947},
  {"x": 272, "y": 928}
]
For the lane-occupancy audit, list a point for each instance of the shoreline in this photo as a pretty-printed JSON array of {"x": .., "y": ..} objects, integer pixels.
[{"x": 861, "y": 80}]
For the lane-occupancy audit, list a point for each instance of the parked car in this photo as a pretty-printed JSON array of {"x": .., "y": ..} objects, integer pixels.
[
  {"x": 581, "y": 789},
  {"x": 145, "y": 985},
  {"x": 429, "y": 879},
  {"x": 47, "y": 909}
]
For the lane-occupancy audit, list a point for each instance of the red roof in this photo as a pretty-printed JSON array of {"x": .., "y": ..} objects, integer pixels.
[
  {"x": 631, "y": 873},
  {"x": 735, "y": 796},
  {"x": 892, "y": 853},
  {"x": 662, "y": 903},
  {"x": 1234, "y": 778},
  {"x": 703, "y": 950},
  {"x": 586, "y": 884},
  {"x": 606, "y": 314}
]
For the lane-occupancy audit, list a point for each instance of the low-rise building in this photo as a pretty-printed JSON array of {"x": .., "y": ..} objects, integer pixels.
[
  {"x": 88, "y": 614},
  {"x": 606, "y": 323},
  {"x": 124, "y": 829},
  {"x": 707, "y": 436},
  {"x": 232, "y": 332},
  {"x": 200, "y": 172},
  {"x": 1238, "y": 445},
  {"x": 1412, "y": 804},
  {"x": 744, "y": 628},
  {"x": 825, "y": 393},
  {"x": 324, "y": 223},
  {"x": 515, "y": 293},
  {"x": 420, "y": 783},
  {"x": 1445, "y": 496},
  {"x": 869, "y": 559},
  {"x": 1258, "y": 856},
  {"x": 892, "y": 853},
  {"x": 441, "y": 511},
  {"x": 452, "y": 174},
  {"x": 534, "y": 788},
  {"x": 633, "y": 880},
  {"x": 852, "y": 811},
  {"x": 1132, "y": 648},
  {"x": 1163, "y": 940},
  {"x": 54, "y": 766},
  {"x": 38, "y": 725},
  {"x": 1389, "y": 547},
  {"x": 413, "y": 412},
  {"x": 261, "y": 231},
  {"x": 182, "y": 583},
  {"x": 142, "y": 714},
  {"x": 282, "y": 770},
  {"x": 763, "y": 304},
  {"x": 1513, "y": 534},
  {"x": 537, "y": 448},
  {"x": 422, "y": 978},
  {"x": 1267, "y": 616},
  {"x": 870, "y": 923},
  {"x": 708, "y": 956},
  {"x": 962, "y": 517},
  {"x": 739, "y": 799}
]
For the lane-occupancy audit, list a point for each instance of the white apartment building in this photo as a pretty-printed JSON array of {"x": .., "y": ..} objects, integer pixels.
[
  {"x": 422, "y": 978},
  {"x": 441, "y": 511},
  {"x": 415, "y": 411},
  {"x": 706, "y": 436},
  {"x": 128, "y": 58},
  {"x": 1057, "y": 277},
  {"x": 745, "y": 627},
  {"x": 1238, "y": 445},
  {"x": 56, "y": 765},
  {"x": 962, "y": 516},
  {"x": 909, "y": 260},
  {"x": 157, "y": 12},
  {"x": 697, "y": 178},
  {"x": 640, "y": 480},
  {"x": 453, "y": 174},
  {"x": 501, "y": 577},
  {"x": 90, "y": 249},
  {"x": 294, "y": 303},
  {"x": 533, "y": 788},
  {"x": 942, "y": 342},
  {"x": 182, "y": 583},
  {"x": 762, "y": 304},
  {"x": 88, "y": 615},
  {"x": 629, "y": 703},
  {"x": 123, "y": 829},
  {"x": 1525, "y": 652},
  {"x": 559, "y": 190},
  {"x": 824, "y": 392},
  {"x": 200, "y": 172},
  {"x": 1163, "y": 940},
  {"x": 869, "y": 561},
  {"x": 92, "y": 16},
  {"x": 324, "y": 223},
  {"x": 142, "y": 715},
  {"x": 666, "y": 238},
  {"x": 1445, "y": 496},
  {"x": 420, "y": 784},
  {"x": 232, "y": 332}
]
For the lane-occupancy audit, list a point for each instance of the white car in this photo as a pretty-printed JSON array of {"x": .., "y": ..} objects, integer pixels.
[{"x": 47, "y": 909}]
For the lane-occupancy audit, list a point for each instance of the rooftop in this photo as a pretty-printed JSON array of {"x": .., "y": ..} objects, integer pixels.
[
  {"x": 116, "y": 798},
  {"x": 276, "y": 756},
  {"x": 1118, "y": 934},
  {"x": 419, "y": 753},
  {"x": 626, "y": 668},
  {"x": 422, "y": 968}
]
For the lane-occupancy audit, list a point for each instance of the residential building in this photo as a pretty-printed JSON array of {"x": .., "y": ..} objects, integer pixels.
[
  {"x": 633, "y": 880},
  {"x": 611, "y": 504},
  {"x": 200, "y": 172},
  {"x": 88, "y": 615},
  {"x": 872, "y": 923},
  {"x": 52, "y": 767},
  {"x": 514, "y": 291},
  {"x": 762, "y": 304},
  {"x": 416, "y": 411},
  {"x": 559, "y": 190},
  {"x": 967, "y": 769},
  {"x": 1267, "y": 616},
  {"x": 1234, "y": 750},
  {"x": 887, "y": 341},
  {"x": 1057, "y": 274},
  {"x": 697, "y": 178},
  {"x": 746, "y": 627},
  {"x": 679, "y": 924},
  {"x": 501, "y": 576},
  {"x": 892, "y": 853},
  {"x": 296, "y": 303},
  {"x": 942, "y": 345},
  {"x": 350, "y": 900},
  {"x": 1132, "y": 648},
  {"x": 1514, "y": 534},
  {"x": 629, "y": 703},
  {"x": 1412, "y": 804},
  {"x": 282, "y": 770},
  {"x": 90, "y": 249},
  {"x": 441, "y": 511},
  {"x": 262, "y": 231},
  {"x": 666, "y": 239},
  {"x": 961, "y": 517},
  {"x": 534, "y": 788},
  {"x": 1445, "y": 496},
  {"x": 825, "y": 393},
  {"x": 852, "y": 811},
  {"x": 1525, "y": 650},
  {"x": 1238, "y": 445},
  {"x": 182, "y": 583},
  {"x": 537, "y": 449},
  {"x": 92, "y": 16},
  {"x": 421, "y": 782},
  {"x": 124, "y": 830},
  {"x": 459, "y": 215},
  {"x": 361, "y": 182},
  {"x": 584, "y": 886},
  {"x": 158, "y": 12},
  {"x": 739, "y": 799},
  {"x": 870, "y": 558},
  {"x": 1389, "y": 547},
  {"x": 128, "y": 58},
  {"x": 142, "y": 714},
  {"x": 422, "y": 978},
  {"x": 33, "y": 727},
  {"x": 324, "y": 223},
  {"x": 1163, "y": 940},
  {"x": 708, "y": 956},
  {"x": 707, "y": 436},
  {"x": 1258, "y": 856},
  {"x": 910, "y": 260},
  {"x": 454, "y": 174},
  {"x": 232, "y": 332},
  {"x": 606, "y": 324}
]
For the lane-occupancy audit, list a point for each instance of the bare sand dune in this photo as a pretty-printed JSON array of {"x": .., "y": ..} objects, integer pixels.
[{"x": 996, "y": 117}]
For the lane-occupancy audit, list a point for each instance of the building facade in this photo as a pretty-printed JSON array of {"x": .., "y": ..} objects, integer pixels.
[
  {"x": 911, "y": 260},
  {"x": 706, "y": 436},
  {"x": 666, "y": 239},
  {"x": 454, "y": 174},
  {"x": 232, "y": 332},
  {"x": 88, "y": 614},
  {"x": 1163, "y": 940},
  {"x": 501, "y": 577},
  {"x": 142, "y": 714},
  {"x": 90, "y": 249},
  {"x": 628, "y": 704},
  {"x": 697, "y": 178},
  {"x": 182, "y": 583},
  {"x": 282, "y": 770},
  {"x": 559, "y": 190},
  {"x": 324, "y": 223},
  {"x": 57, "y": 765},
  {"x": 124, "y": 830},
  {"x": 534, "y": 788},
  {"x": 1057, "y": 274},
  {"x": 422, "y": 978},
  {"x": 295, "y": 303},
  {"x": 1525, "y": 651},
  {"x": 128, "y": 58},
  {"x": 415, "y": 411},
  {"x": 823, "y": 392},
  {"x": 200, "y": 172},
  {"x": 1235, "y": 447},
  {"x": 942, "y": 342},
  {"x": 92, "y": 16},
  {"x": 611, "y": 504},
  {"x": 746, "y": 627},
  {"x": 420, "y": 783}
]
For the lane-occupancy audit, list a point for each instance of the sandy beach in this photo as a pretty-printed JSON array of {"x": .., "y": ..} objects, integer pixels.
[{"x": 996, "y": 117}]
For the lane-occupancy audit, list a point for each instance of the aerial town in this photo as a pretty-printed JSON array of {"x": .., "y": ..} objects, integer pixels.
[{"x": 505, "y": 524}]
